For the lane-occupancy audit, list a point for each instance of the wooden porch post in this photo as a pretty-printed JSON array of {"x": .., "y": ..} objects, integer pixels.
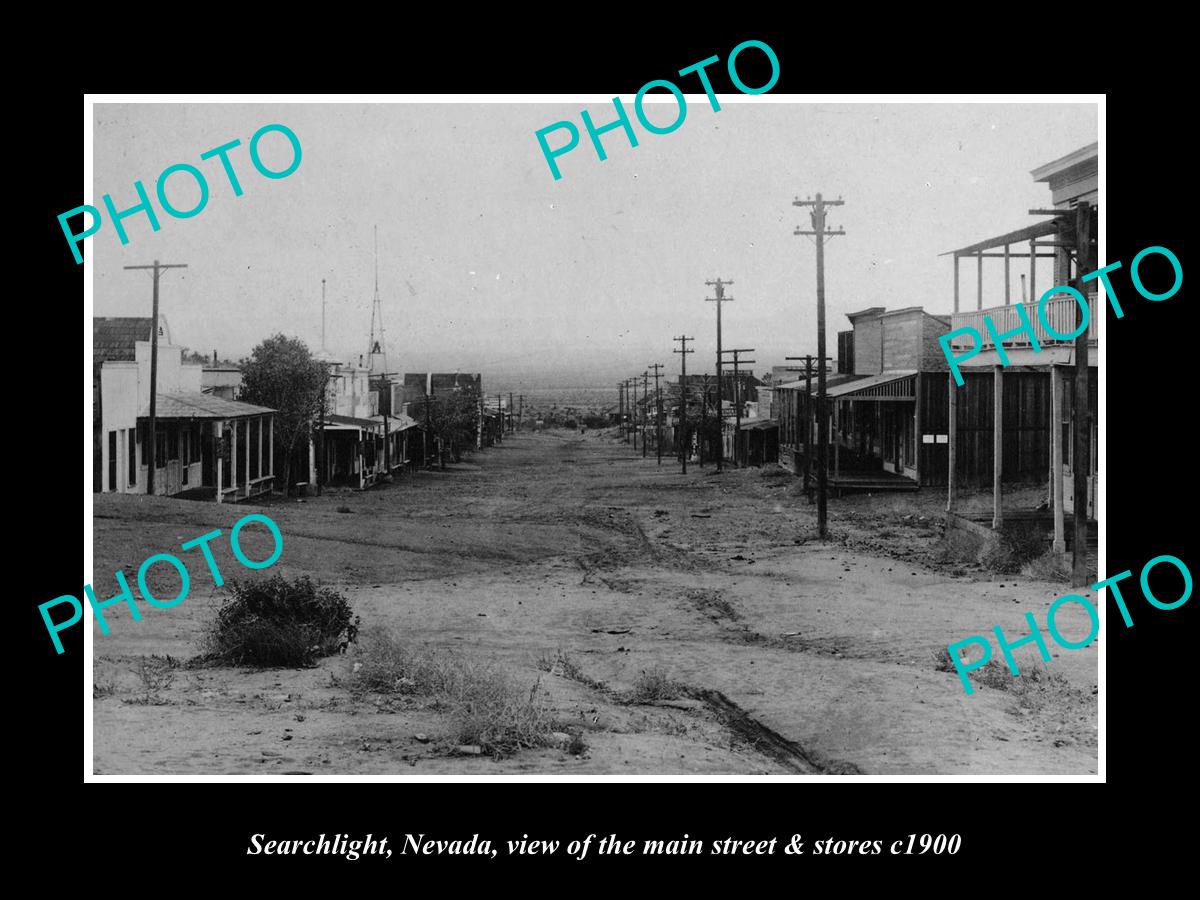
[
  {"x": 997, "y": 444},
  {"x": 837, "y": 427},
  {"x": 246, "y": 493},
  {"x": 220, "y": 431},
  {"x": 1007, "y": 297},
  {"x": 1032, "y": 270},
  {"x": 979, "y": 280},
  {"x": 233, "y": 460},
  {"x": 271, "y": 444},
  {"x": 956, "y": 282},
  {"x": 951, "y": 474},
  {"x": 261, "y": 429},
  {"x": 1056, "y": 458}
]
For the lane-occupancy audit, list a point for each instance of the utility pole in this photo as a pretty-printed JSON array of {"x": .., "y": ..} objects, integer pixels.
[
  {"x": 645, "y": 407},
  {"x": 1085, "y": 261},
  {"x": 633, "y": 414},
  {"x": 822, "y": 233},
  {"x": 157, "y": 269},
  {"x": 737, "y": 404},
  {"x": 657, "y": 367},
  {"x": 808, "y": 417},
  {"x": 683, "y": 352},
  {"x": 630, "y": 400},
  {"x": 621, "y": 405},
  {"x": 704, "y": 393},
  {"x": 720, "y": 286}
]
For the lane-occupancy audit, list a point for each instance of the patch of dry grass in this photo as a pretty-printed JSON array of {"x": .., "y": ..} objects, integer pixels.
[
  {"x": 487, "y": 708},
  {"x": 654, "y": 684}
]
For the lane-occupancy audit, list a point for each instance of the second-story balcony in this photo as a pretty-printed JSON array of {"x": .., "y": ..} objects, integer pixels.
[{"x": 1061, "y": 313}]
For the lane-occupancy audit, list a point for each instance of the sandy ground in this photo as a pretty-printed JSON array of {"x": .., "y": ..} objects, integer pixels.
[{"x": 798, "y": 656}]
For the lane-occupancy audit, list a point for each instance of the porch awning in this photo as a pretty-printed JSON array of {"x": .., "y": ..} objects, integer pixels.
[
  {"x": 895, "y": 385},
  {"x": 394, "y": 423},
  {"x": 350, "y": 423},
  {"x": 1025, "y": 357},
  {"x": 759, "y": 425},
  {"x": 203, "y": 406}
]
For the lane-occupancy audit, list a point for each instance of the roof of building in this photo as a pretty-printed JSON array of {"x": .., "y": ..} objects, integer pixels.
[
  {"x": 870, "y": 381},
  {"x": 204, "y": 406},
  {"x": 114, "y": 338},
  {"x": 354, "y": 422},
  {"x": 759, "y": 424},
  {"x": 1088, "y": 154},
  {"x": 1047, "y": 356},
  {"x": 395, "y": 423},
  {"x": 830, "y": 380}
]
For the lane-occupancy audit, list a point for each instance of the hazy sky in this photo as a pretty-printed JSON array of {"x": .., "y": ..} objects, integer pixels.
[{"x": 488, "y": 264}]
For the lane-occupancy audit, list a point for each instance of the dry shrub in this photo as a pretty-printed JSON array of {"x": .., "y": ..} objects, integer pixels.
[
  {"x": 1018, "y": 543},
  {"x": 486, "y": 707},
  {"x": 279, "y": 623},
  {"x": 1050, "y": 566},
  {"x": 654, "y": 684}
]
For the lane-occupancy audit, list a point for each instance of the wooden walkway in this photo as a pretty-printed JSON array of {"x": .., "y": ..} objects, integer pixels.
[{"x": 873, "y": 482}]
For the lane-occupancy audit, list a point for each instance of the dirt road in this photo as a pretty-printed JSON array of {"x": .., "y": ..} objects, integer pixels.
[{"x": 797, "y": 656}]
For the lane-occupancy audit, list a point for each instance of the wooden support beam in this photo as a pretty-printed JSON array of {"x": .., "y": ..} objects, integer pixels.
[
  {"x": 951, "y": 481},
  {"x": 1056, "y": 458},
  {"x": 1032, "y": 273},
  {"x": 979, "y": 283},
  {"x": 956, "y": 284},
  {"x": 997, "y": 445},
  {"x": 1007, "y": 278}
]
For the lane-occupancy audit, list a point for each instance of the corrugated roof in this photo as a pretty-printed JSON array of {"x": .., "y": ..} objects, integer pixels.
[
  {"x": 204, "y": 406},
  {"x": 869, "y": 382}
]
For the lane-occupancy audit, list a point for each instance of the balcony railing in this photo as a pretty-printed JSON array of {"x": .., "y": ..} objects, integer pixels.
[{"x": 1061, "y": 313}]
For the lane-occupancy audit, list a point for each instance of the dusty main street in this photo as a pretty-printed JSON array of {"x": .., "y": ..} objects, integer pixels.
[{"x": 564, "y": 558}]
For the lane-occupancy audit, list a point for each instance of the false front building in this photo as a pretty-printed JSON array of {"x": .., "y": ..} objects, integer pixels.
[{"x": 205, "y": 446}]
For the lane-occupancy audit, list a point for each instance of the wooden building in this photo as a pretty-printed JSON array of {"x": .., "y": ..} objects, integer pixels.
[{"x": 1017, "y": 422}]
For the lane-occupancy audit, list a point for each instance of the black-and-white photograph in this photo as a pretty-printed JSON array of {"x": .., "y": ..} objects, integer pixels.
[{"x": 508, "y": 437}]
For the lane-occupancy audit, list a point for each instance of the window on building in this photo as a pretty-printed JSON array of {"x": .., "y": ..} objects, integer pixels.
[
  {"x": 133, "y": 457},
  {"x": 172, "y": 442}
]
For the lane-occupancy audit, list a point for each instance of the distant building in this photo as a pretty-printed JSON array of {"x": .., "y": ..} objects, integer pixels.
[
  {"x": 221, "y": 381},
  {"x": 205, "y": 446}
]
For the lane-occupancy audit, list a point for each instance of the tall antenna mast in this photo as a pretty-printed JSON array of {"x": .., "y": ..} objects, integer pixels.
[{"x": 322, "y": 313}]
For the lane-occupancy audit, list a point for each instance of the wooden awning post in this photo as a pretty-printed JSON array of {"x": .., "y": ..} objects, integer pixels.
[
  {"x": 1007, "y": 277},
  {"x": 979, "y": 281},
  {"x": 956, "y": 282},
  {"x": 219, "y": 427},
  {"x": 1032, "y": 270},
  {"x": 1056, "y": 458},
  {"x": 997, "y": 445},
  {"x": 951, "y": 483}
]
